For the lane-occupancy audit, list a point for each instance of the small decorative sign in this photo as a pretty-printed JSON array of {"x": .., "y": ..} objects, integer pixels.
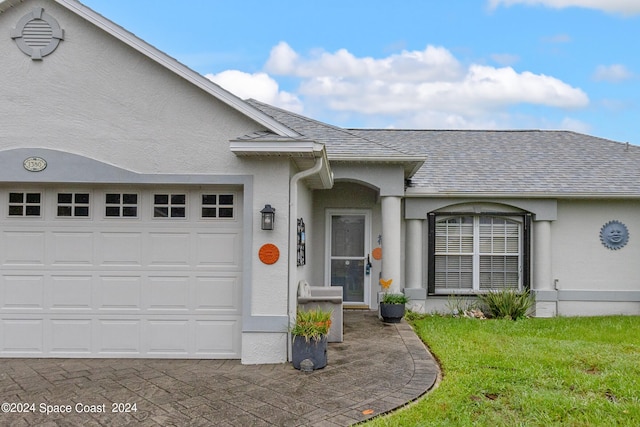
[
  {"x": 35, "y": 164},
  {"x": 269, "y": 253},
  {"x": 302, "y": 243},
  {"x": 377, "y": 253},
  {"x": 614, "y": 235}
]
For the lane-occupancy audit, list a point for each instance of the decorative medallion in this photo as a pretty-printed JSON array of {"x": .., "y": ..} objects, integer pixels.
[
  {"x": 35, "y": 164},
  {"x": 377, "y": 253},
  {"x": 37, "y": 34},
  {"x": 269, "y": 253},
  {"x": 614, "y": 235}
]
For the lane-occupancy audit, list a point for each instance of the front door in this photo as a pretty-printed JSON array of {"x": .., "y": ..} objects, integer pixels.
[{"x": 348, "y": 246}]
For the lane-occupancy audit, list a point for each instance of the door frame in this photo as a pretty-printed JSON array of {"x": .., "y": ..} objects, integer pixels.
[{"x": 367, "y": 248}]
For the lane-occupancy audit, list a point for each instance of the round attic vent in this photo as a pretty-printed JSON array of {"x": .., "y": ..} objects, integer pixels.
[{"x": 37, "y": 34}]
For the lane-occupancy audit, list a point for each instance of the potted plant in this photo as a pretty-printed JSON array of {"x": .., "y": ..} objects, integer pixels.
[
  {"x": 392, "y": 307},
  {"x": 309, "y": 338}
]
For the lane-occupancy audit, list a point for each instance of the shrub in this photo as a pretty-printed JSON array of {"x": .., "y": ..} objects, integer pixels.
[{"x": 507, "y": 304}]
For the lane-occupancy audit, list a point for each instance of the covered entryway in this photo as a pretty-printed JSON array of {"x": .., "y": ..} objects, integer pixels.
[{"x": 120, "y": 271}]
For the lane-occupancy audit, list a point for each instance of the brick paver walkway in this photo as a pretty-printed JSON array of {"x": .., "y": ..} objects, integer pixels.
[{"x": 377, "y": 368}]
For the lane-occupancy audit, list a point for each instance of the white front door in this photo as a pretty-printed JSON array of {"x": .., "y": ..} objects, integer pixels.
[{"x": 348, "y": 243}]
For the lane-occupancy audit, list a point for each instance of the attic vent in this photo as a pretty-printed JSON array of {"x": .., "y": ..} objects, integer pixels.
[{"x": 37, "y": 34}]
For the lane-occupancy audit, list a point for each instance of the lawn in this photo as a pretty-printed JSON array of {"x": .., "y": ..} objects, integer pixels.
[{"x": 530, "y": 372}]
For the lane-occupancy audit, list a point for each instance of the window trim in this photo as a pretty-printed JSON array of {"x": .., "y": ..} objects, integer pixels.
[
  {"x": 525, "y": 250},
  {"x": 121, "y": 205},
  {"x": 217, "y": 206},
  {"x": 73, "y": 204},
  {"x": 170, "y": 205},
  {"x": 24, "y": 204}
]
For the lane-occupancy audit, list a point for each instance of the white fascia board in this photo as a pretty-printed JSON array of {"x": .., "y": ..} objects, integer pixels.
[
  {"x": 176, "y": 67},
  {"x": 249, "y": 147},
  {"x": 425, "y": 192},
  {"x": 415, "y": 162}
]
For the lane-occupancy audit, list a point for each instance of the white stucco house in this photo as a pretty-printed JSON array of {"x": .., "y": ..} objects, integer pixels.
[{"x": 131, "y": 191}]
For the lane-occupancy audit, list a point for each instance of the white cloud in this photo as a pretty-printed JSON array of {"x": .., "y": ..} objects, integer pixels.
[
  {"x": 419, "y": 87},
  {"x": 612, "y": 73},
  {"x": 258, "y": 86},
  {"x": 431, "y": 64},
  {"x": 626, "y": 7}
]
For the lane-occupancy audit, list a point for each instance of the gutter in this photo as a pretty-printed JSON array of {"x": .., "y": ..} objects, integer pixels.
[{"x": 293, "y": 228}]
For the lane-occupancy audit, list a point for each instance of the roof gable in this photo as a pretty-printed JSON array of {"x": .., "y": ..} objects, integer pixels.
[{"x": 164, "y": 60}]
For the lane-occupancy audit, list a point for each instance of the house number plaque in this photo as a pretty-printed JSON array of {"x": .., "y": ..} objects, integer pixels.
[{"x": 35, "y": 164}]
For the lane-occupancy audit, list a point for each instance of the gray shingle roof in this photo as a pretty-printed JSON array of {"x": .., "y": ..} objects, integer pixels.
[
  {"x": 521, "y": 162},
  {"x": 528, "y": 161},
  {"x": 338, "y": 142}
]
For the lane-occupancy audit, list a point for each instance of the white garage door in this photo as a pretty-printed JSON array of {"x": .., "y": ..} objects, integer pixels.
[{"x": 120, "y": 272}]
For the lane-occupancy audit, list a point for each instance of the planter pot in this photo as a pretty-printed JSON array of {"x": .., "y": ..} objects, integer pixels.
[
  {"x": 391, "y": 313},
  {"x": 314, "y": 350}
]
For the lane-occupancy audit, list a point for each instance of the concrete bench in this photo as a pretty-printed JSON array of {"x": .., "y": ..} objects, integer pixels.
[{"x": 325, "y": 298}]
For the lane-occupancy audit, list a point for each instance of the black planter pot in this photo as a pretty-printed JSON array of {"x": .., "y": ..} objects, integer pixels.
[
  {"x": 391, "y": 313},
  {"x": 314, "y": 350}
]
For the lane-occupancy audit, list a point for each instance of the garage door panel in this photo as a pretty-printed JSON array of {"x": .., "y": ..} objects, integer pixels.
[
  {"x": 119, "y": 293},
  {"x": 167, "y": 293},
  {"x": 218, "y": 250},
  {"x": 23, "y": 248},
  {"x": 70, "y": 336},
  {"x": 217, "y": 337},
  {"x": 169, "y": 249},
  {"x": 120, "y": 336},
  {"x": 71, "y": 293},
  {"x": 22, "y": 336},
  {"x": 120, "y": 249},
  {"x": 167, "y": 336},
  {"x": 217, "y": 294},
  {"x": 21, "y": 292},
  {"x": 72, "y": 248}
]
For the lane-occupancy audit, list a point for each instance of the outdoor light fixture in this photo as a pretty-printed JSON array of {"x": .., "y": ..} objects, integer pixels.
[{"x": 268, "y": 217}]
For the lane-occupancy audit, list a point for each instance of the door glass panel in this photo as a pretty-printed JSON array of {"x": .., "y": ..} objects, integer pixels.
[
  {"x": 350, "y": 275},
  {"x": 347, "y": 237}
]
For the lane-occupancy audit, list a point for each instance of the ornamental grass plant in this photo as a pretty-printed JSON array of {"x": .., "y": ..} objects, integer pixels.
[
  {"x": 551, "y": 372},
  {"x": 507, "y": 303},
  {"x": 312, "y": 324}
]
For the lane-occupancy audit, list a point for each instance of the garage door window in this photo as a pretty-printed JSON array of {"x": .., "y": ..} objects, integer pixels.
[
  {"x": 169, "y": 205},
  {"x": 24, "y": 204},
  {"x": 121, "y": 205},
  {"x": 73, "y": 204},
  {"x": 217, "y": 205}
]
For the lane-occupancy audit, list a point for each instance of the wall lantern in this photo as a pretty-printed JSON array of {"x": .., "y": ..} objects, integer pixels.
[{"x": 268, "y": 217}]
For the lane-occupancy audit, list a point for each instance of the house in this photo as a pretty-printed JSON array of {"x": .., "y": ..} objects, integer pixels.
[{"x": 132, "y": 191}]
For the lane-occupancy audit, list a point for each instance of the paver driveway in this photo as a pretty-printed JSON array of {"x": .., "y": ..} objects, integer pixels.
[{"x": 377, "y": 368}]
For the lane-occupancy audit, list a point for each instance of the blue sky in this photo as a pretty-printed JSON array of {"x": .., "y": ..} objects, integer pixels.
[{"x": 430, "y": 64}]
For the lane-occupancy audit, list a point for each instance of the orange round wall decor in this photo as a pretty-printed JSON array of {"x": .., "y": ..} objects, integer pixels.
[
  {"x": 269, "y": 253},
  {"x": 377, "y": 253}
]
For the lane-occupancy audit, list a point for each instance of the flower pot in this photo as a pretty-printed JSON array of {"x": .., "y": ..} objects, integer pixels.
[
  {"x": 314, "y": 350},
  {"x": 391, "y": 313}
]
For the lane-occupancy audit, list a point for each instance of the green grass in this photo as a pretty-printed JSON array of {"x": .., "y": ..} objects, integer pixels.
[{"x": 530, "y": 372}]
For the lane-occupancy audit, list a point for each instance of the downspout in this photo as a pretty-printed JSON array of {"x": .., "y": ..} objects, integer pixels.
[{"x": 293, "y": 234}]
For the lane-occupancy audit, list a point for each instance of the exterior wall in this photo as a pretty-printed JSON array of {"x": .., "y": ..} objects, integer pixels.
[
  {"x": 100, "y": 99},
  {"x": 590, "y": 278}
]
